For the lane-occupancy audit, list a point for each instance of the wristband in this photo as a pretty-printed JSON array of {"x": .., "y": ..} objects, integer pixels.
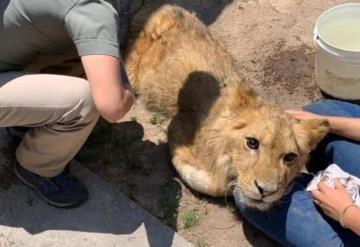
[{"x": 343, "y": 213}]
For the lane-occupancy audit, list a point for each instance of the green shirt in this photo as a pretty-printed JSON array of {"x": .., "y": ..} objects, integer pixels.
[{"x": 29, "y": 28}]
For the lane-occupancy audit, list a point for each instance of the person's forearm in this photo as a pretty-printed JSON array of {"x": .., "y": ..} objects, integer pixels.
[
  {"x": 112, "y": 107},
  {"x": 109, "y": 85},
  {"x": 352, "y": 219},
  {"x": 347, "y": 127}
]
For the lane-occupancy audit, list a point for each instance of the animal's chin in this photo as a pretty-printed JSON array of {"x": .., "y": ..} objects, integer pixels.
[
  {"x": 243, "y": 200},
  {"x": 259, "y": 204}
]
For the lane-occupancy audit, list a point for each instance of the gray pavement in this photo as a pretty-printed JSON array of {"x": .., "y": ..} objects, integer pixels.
[{"x": 107, "y": 219}]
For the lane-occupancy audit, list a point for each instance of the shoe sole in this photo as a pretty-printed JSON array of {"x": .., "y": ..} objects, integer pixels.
[{"x": 52, "y": 203}]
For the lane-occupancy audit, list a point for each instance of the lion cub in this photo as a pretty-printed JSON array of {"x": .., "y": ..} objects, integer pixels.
[{"x": 221, "y": 134}]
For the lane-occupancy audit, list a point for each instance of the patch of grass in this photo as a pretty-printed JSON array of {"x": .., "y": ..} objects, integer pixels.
[
  {"x": 159, "y": 141},
  {"x": 157, "y": 118},
  {"x": 190, "y": 218},
  {"x": 201, "y": 242}
]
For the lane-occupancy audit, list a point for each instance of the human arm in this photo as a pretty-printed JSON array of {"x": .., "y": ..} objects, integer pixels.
[
  {"x": 333, "y": 201},
  {"x": 344, "y": 126},
  {"x": 110, "y": 89},
  {"x": 93, "y": 26}
]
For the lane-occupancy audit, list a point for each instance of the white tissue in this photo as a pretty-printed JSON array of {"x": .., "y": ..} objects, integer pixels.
[{"x": 333, "y": 173}]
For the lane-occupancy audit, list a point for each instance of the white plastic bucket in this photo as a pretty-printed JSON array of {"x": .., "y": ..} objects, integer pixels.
[{"x": 337, "y": 68}]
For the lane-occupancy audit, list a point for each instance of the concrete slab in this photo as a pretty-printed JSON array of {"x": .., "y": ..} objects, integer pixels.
[{"x": 107, "y": 219}]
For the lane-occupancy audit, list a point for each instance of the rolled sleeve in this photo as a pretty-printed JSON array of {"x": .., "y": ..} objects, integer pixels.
[
  {"x": 93, "y": 27},
  {"x": 96, "y": 47}
]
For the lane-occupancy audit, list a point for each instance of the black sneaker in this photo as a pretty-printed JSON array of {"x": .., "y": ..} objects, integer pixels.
[
  {"x": 17, "y": 132},
  {"x": 63, "y": 190}
]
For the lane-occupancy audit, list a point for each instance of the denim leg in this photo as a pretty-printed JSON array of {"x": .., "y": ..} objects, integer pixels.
[
  {"x": 345, "y": 154},
  {"x": 336, "y": 149},
  {"x": 296, "y": 221},
  {"x": 334, "y": 108}
]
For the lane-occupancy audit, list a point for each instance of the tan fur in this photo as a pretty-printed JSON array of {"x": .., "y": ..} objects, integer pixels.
[{"x": 178, "y": 67}]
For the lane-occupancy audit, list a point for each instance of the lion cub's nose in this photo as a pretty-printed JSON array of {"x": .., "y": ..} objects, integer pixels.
[{"x": 266, "y": 189}]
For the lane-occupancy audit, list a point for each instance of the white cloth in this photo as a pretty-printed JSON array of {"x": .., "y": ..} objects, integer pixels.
[{"x": 334, "y": 172}]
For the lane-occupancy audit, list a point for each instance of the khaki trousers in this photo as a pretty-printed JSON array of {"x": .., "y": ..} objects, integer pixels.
[{"x": 60, "y": 110}]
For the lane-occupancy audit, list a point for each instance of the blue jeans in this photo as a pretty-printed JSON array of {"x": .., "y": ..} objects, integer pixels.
[{"x": 295, "y": 220}]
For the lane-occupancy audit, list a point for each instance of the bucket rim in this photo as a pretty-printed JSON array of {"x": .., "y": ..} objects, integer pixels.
[
  {"x": 317, "y": 33},
  {"x": 344, "y": 56}
]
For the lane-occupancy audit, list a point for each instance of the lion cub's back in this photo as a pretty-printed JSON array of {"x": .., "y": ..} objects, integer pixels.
[{"x": 173, "y": 46}]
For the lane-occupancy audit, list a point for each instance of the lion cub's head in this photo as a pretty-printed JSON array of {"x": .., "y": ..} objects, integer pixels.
[{"x": 267, "y": 148}]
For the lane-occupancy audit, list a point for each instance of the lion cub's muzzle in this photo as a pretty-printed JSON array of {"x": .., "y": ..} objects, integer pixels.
[
  {"x": 266, "y": 189},
  {"x": 260, "y": 194},
  {"x": 260, "y": 202}
]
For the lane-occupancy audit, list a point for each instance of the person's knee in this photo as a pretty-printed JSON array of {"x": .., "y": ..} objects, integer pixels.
[
  {"x": 327, "y": 107},
  {"x": 84, "y": 101},
  {"x": 334, "y": 108},
  {"x": 345, "y": 154}
]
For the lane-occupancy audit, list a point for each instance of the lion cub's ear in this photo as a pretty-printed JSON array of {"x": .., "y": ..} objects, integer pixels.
[
  {"x": 238, "y": 97},
  {"x": 309, "y": 133}
]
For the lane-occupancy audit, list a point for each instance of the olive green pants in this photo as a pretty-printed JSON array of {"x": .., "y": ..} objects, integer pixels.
[{"x": 59, "y": 108}]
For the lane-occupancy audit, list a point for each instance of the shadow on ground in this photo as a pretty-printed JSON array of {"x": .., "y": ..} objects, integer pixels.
[
  {"x": 106, "y": 211},
  {"x": 139, "y": 168}
]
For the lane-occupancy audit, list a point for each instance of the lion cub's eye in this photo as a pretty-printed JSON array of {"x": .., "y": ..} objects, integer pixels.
[
  {"x": 290, "y": 157},
  {"x": 252, "y": 143}
]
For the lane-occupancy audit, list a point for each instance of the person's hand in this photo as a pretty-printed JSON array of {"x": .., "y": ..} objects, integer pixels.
[
  {"x": 109, "y": 86},
  {"x": 303, "y": 115},
  {"x": 332, "y": 201}
]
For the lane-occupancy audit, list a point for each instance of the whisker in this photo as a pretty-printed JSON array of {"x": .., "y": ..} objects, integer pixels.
[{"x": 228, "y": 188}]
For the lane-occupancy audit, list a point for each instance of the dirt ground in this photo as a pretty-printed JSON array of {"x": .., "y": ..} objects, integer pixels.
[{"x": 271, "y": 42}]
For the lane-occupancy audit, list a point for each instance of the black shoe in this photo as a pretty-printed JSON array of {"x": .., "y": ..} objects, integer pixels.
[
  {"x": 17, "y": 132},
  {"x": 63, "y": 190}
]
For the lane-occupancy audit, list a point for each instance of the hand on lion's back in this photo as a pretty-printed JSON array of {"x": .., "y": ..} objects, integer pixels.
[{"x": 221, "y": 134}]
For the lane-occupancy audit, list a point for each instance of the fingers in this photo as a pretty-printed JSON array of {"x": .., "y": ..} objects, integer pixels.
[
  {"x": 318, "y": 196},
  {"x": 294, "y": 112},
  {"x": 327, "y": 211},
  {"x": 323, "y": 187},
  {"x": 316, "y": 201},
  {"x": 320, "y": 193},
  {"x": 325, "y": 208},
  {"x": 301, "y": 115},
  {"x": 338, "y": 185}
]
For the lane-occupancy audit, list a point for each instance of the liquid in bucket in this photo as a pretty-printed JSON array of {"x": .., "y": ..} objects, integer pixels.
[{"x": 343, "y": 33}]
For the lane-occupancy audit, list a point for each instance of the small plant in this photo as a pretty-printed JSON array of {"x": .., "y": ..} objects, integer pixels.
[
  {"x": 190, "y": 218},
  {"x": 201, "y": 242},
  {"x": 157, "y": 118}
]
